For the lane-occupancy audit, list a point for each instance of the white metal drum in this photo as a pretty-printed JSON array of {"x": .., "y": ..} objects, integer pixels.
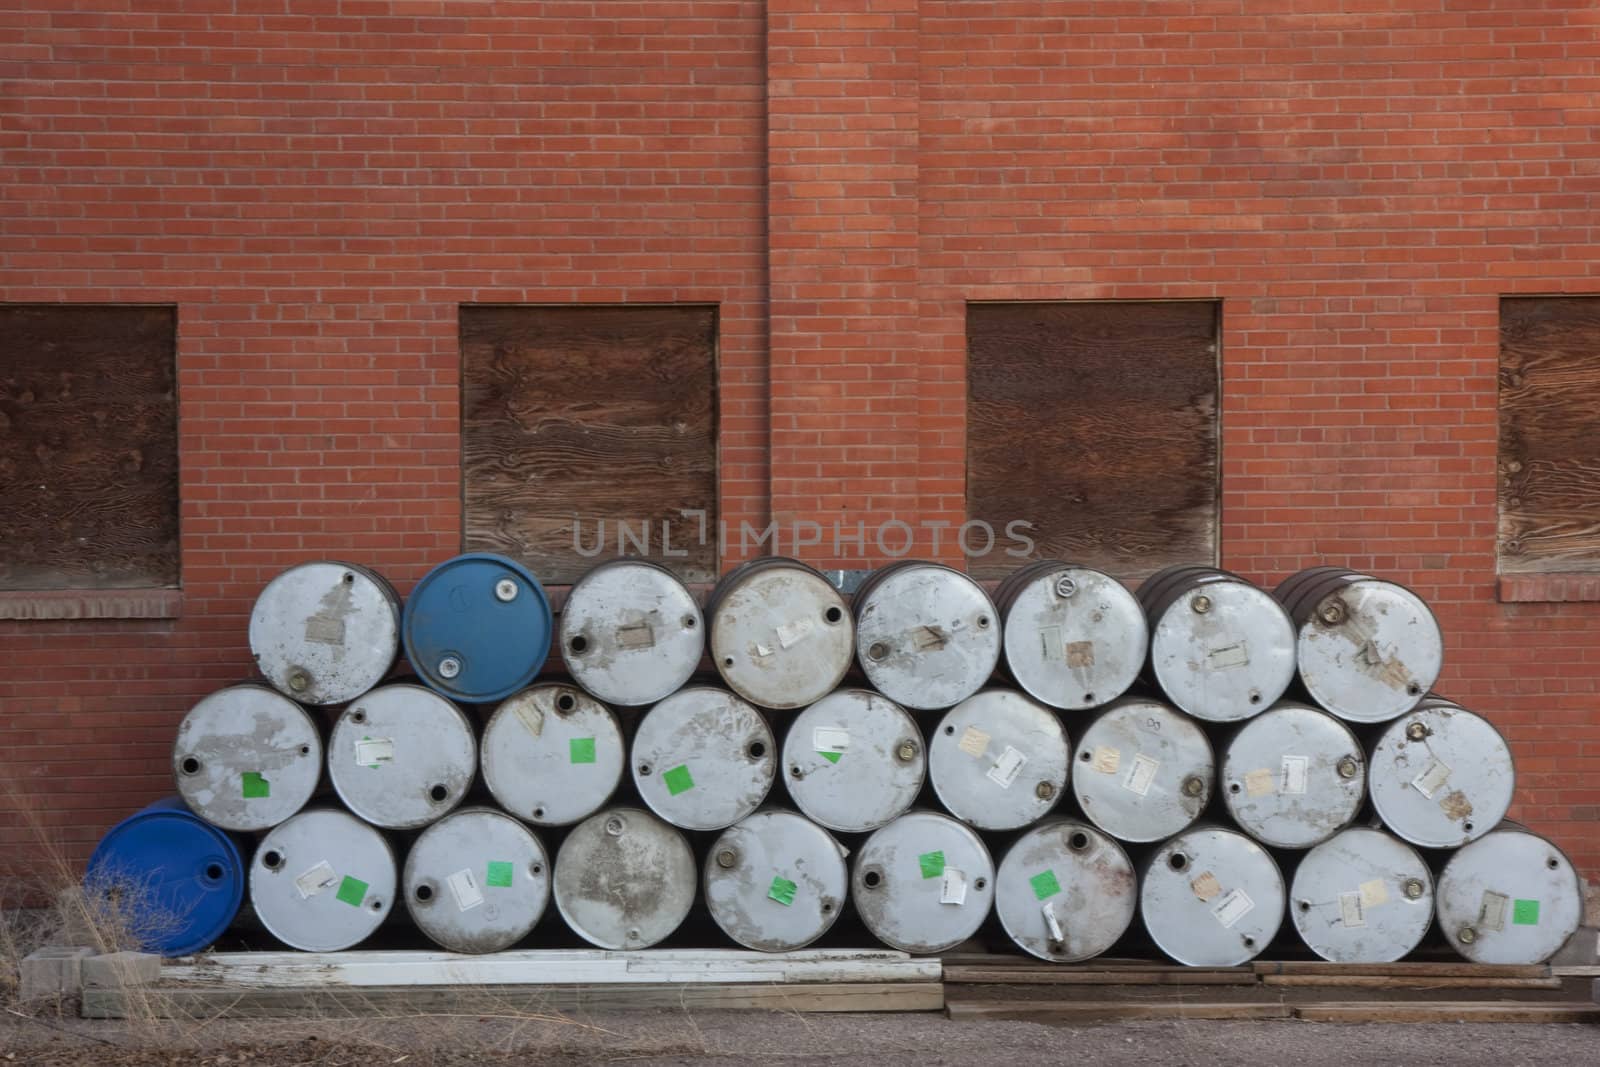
[
  {"x": 1367, "y": 649},
  {"x": 999, "y": 760},
  {"x": 1362, "y": 896},
  {"x": 1073, "y": 637},
  {"x": 1144, "y": 770},
  {"x": 631, "y": 633},
  {"x": 775, "y": 881},
  {"x": 924, "y": 883},
  {"x": 476, "y": 881},
  {"x": 854, "y": 760},
  {"x": 1509, "y": 897},
  {"x": 781, "y": 635},
  {"x": 1220, "y": 648},
  {"x": 927, "y": 636},
  {"x": 1441, "y": 776},
  {"x": 1293, "y": 776},
  {"x": 624, "y": 879},
  {"x": 1065, "y": 892},
  {"x": 552, "y": 755},
  {"x": 1211, "y": 897},
  {"x": 325, "y": 632},
  {"x": 402, "y": 756},
  {"x": 703, "y": 759},
  {"x": 323, "y": 881},
  {"x": 247, "y": 758}
]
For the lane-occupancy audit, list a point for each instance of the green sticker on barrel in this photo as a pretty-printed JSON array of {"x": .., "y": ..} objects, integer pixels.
[
  {"x": 582, "y": 749},
  {"x": 352, "y": 891},
  {"x": 782, "y": 891},
  {"x": 1045, "y": 885},
  {"x": 499, "y": 875},
  {"x": 831, "y": 757},
  {"x": 678, "y": 779},
  {"x": 254, "y": 786},
  {"x": 932, "y": 864},
  {"x": 1525, "y": 913}
]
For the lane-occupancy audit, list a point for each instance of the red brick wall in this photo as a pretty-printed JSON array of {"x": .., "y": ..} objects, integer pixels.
[{"x": 1357, "y": 182}]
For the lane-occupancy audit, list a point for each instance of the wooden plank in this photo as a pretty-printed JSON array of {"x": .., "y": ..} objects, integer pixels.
[
  {"x": 1100, "y": 964},
  {"x": 1101, "y": 1011},
  {"x": 508, "y": 1001},
  {"x": 1577, "y": 971},
  {"x": 1096, "y": 422},
  {"x": 89, "y": 475},
  {"x": 1399, "y": 1011},
  {"x": 1408, "y": 969},
  {"x": 1372, "y": 981},
  {"x": 546, "y": 968},
  {"x": 1549, "y": 469},
  {"x": 1120, "y": 977},
  {"x": 582, "y": 416}
]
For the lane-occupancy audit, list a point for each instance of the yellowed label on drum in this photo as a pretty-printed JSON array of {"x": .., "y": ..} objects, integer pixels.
[
  {"x": 1373, "y": 893},
  {"x": 1107, "y": 760},
  {"x": 1206, "y": 886},
  {"x": 1260, "y": 782},
  {"x": 974, "y": 742}
]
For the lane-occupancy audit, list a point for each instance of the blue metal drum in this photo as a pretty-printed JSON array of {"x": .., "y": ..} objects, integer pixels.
[
  {"x": 477, "y": 628},
  {"x": 173, "y": 878}
]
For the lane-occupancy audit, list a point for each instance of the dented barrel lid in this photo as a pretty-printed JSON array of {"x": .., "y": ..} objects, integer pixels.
[
  {"x": 927, "y": 636},
  {"x": 1074, "y": 637},
  {"x": 1511, "y": 896},
  {"x": 624, "y": 879},
  {"x": 1293, "y": 776},
  {"x": 781, "y": 635},
  {"x": 703, "y": 759},
  {"x": 1211, "y": 897}
]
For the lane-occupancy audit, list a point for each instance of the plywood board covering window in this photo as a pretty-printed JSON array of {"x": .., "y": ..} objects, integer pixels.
[
  {"x": 89, "y": 464},
  {"x": 1097, "y": 423},
  {"x": 1549, "y": 469},
  {"x": 586, "y": 431}
]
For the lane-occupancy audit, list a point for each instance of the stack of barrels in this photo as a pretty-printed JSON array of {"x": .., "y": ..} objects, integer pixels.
[{"x": 1204, "y": 755}]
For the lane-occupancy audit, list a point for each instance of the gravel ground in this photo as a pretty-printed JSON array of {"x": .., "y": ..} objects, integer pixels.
[{"x": 915, "y": 1040}]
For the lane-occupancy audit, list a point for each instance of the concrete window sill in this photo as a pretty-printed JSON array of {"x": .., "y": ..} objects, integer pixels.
[
  {"x": 1553, "y": 588},
  {"x": 65, "y": 604}
]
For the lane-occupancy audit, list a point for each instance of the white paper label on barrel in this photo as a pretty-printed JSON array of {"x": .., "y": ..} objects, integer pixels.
[
  {"x": 1373, "y": 893},
  {"x": 636, "y": 635},
  {"x": 1051, "y": 923},
  {"x": 953, "y": 887},
  {"x": 1492, "y": 916},
  {"x": 1234, "y": 905},
  {"x": 1295, "y": 772},
  {"x": 974, "y": 742},
  {"x": 374, "y": 751},
  {"x": 1433, "y": 776},
  {"x": 530, "y": 717},
  {"x": 1050, "y": 639},
  {"x": 465, "y": 888},
  {"x": 792, "y": 633},
  {"x": 1107, "y": 760},
  {"x": 316, "y": 880},
  {"x": 1228, "y": 656},
  {"x": 1005, "y": 769},
  {"x": 1141, "y": 774},
  {"x": 830, "y": 739},
  {"x": 1351, "y": 912}
]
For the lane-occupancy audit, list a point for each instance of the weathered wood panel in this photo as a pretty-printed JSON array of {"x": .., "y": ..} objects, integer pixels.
[
  {"x": 89, "y": 466},
  {"x": 578, "y": 419},
  {"x": 1549, "y": 471},
  {"x": 1096, "y": 422}
]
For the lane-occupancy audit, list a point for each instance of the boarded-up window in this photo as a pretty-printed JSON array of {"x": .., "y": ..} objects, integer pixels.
[
  {"x": 585, "y": 431},
  {"x": 1097, "y": 423},
  {"x": 89, "y": 464},
  {"x": 1549, "y": 434}
]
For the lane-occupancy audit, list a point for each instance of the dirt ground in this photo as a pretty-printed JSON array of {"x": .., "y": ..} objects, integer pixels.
[{"x": 914, "y": 1040}]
